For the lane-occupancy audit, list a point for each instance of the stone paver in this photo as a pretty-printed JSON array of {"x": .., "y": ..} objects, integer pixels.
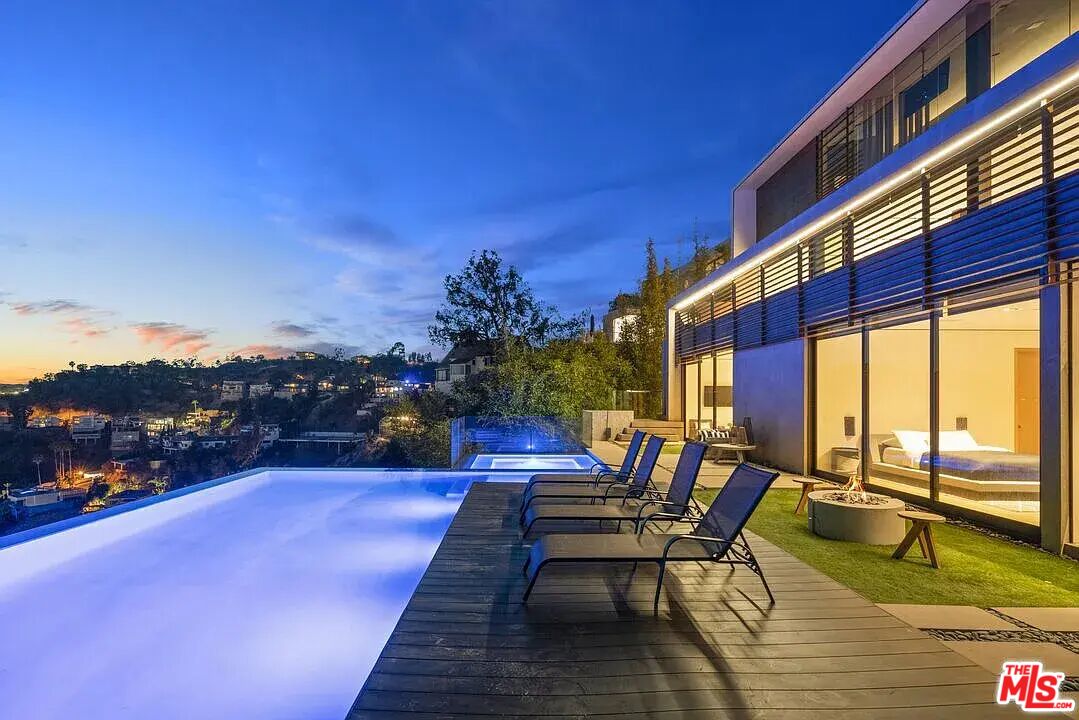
[
  {"x": 1058, "y": 619},
  {"x": 991, "y": 655},
  {"x": 947, "y": 617}
]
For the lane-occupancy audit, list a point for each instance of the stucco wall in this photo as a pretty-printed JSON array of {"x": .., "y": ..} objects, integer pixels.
[{"x": 769, "y": 388}]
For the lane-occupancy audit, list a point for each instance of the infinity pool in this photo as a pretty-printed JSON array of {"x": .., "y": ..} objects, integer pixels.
[
  {"x": 564, "y": 463},
  {"x": 264, "y": 597}
]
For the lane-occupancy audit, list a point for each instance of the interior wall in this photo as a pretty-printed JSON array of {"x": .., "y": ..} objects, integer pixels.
[
  {"x": 977, "y": 381},
  {"x": 899, "y": 379}
]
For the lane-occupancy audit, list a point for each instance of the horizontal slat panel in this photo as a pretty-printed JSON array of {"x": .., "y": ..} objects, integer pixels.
[{"x": 993, "y": 224}]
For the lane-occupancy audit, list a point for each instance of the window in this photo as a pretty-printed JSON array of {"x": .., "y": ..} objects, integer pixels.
[
  {"x": 899, "y": 407},
  {"x": 691, "y": 396},
  {"x": 839, "y": 404},
  {"x": 1021, "y": 31},
  {"x": 988, "y": 458}
]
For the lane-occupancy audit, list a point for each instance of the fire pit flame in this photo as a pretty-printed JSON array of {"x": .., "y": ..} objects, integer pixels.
[{"x": 855, "y": 489}]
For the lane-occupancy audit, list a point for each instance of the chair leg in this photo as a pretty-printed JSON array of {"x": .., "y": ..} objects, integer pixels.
[
  {"x": 531, "y": 584},
  {"x": 755, "y": 566},
  {"x": 659, "y": 587}
]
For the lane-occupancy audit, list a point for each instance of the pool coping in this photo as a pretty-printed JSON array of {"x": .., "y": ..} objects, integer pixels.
[{"x": 52, "y": 528}]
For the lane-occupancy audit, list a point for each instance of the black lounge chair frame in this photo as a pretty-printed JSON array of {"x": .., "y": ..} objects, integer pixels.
[
  {"x": 677, "y": 502},
  {"x": 636, "y": 486},
  {"x": 714, "y": 542},
  {"x": 599, "y": 472}
]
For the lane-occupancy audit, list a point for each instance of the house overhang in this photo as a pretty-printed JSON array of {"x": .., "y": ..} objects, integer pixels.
[
  {"x": 920, "y": 22},
  {"x": 1048, "y": 75}
]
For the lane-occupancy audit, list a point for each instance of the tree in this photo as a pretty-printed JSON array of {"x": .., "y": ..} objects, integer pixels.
[
  {"x": 37, "y": 460},
  {"x": 642, "y": 339},
  {"x": 559, "y": 379},
  {"x": 488, "y": 302}
]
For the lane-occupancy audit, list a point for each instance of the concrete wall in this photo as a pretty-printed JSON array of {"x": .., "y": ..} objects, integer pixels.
[
  {"x": 770, "y": 388},
  {"x": 595, "y": 424}
]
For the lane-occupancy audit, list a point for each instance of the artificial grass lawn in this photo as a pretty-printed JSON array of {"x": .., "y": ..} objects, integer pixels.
[{"x": 975, "y": 569}]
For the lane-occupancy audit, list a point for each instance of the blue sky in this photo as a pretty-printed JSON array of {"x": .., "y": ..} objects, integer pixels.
[{"x": 195, "y": 177}]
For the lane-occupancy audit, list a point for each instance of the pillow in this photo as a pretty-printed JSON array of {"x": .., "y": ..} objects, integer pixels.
[
  {"x": 957, "y": 440},
  {"x": 913, "y": 441}
]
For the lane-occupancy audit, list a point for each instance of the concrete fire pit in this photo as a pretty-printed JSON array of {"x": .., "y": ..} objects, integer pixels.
[{"x": 838, "y": 515}]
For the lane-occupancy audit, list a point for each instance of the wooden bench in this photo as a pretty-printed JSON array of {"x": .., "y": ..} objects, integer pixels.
[{"x": 921, "y": 529}]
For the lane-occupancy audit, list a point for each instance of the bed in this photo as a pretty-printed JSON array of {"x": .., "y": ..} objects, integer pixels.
[{"x": 983, "y": 473}]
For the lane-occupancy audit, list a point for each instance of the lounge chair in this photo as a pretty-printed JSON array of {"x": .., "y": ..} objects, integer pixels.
[
  {"x": 675, "y": 502},
  {"x": 716, "y": 537},
  {"x": 634, "y": 487},
  {"x": 599, "y": 473}
]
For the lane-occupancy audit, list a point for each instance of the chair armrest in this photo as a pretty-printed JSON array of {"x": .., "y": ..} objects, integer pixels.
[
  {"x": 665, "y": 516},
  {"x": 701, "y": 538},
  {"x": 616, "y": 485}
]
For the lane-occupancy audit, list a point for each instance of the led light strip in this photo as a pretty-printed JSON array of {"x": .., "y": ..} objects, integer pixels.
[{"x": 1031, "y": 101}]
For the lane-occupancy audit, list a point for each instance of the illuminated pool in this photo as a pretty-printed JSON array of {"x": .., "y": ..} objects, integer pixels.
[
  {"x": 565, "y": 463},
  {"x": 264, "y": 596}
]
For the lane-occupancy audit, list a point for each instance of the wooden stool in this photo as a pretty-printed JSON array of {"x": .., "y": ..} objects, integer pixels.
[
  {"x": 808, "y": 486},
  {"x": 921, "y": 529}
]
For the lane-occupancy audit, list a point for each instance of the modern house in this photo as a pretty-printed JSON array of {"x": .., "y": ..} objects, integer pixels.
[
  {"x": 87, "y": 429},
  {"x": 460, "y": 362},
  {"x": 158, "y": 426},
  {"x": 900, "y": 300},
  {"x": 232, "y": 390},
  {"x": 123, "y": 440},
  {"x": 615, "y": 320},
  {"x": 257, "y": 390}
]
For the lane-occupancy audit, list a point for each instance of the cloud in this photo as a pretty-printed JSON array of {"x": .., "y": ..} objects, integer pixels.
[
  {"x": 361, "y": 230},
  {"x": 76, "y": 318},
  {"x": 85, "y": 327},
  {"x": 172, "y": 336},
  {"x": 11, "y": 241},
  {"x": 288, "y": 329},
  {"x": 673, "y": 172},
  {"x": 557, "y": 244},
  {"x": 50, "y": 307}
]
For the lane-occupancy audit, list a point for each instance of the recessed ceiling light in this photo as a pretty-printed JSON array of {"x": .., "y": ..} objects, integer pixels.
[{"x": 1035, "y": 25}]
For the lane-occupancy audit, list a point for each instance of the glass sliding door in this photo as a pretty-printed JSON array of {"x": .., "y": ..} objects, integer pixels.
[
  {"x": 989, "y": 447},
  {"x": 707, "y": 399},
  {"x": 838, "y": 405},
  {"x": 899, "y": 432},
  {"x": 723, "y": 391},
  {"x": 691, "y": 397}
]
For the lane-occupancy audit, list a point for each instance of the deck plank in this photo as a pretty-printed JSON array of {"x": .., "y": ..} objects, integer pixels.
[{"x": 588, "y": 645}]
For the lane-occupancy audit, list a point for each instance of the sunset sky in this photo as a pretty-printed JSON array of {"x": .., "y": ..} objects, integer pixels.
[{"x": 191, "y": 178}]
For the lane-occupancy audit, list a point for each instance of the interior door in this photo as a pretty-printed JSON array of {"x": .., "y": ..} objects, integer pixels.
[{"x": 1027, "y": 401}]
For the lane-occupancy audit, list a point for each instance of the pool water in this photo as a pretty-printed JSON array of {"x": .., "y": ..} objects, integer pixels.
[
  {"x": 560, "y": 463},
  {"x": 266, "y": 597}
]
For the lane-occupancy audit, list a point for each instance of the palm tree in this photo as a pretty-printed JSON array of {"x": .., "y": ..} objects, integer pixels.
[{"x": 37, "y": 460}]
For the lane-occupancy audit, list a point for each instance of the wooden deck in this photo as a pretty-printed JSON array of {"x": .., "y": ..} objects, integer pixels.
[{"x": 588, "y": 645}]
